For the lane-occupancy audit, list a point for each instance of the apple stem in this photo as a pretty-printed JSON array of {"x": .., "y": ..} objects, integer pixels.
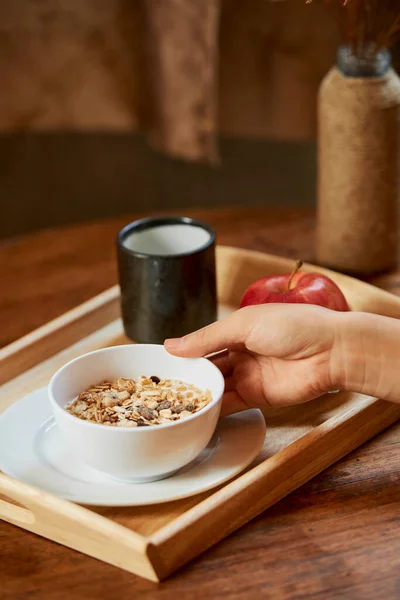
[{"x": 298, "y": 266}]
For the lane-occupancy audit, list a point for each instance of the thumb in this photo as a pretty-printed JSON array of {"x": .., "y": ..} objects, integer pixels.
[{"x": 230, "y": 332}]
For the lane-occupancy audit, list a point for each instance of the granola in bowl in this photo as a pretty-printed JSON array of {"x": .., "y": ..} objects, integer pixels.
[{"x": 139, "y": 402}]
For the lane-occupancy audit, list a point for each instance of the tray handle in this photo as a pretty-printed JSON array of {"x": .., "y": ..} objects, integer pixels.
[
  {"x": 16, "y": 514},
  {"x": 76, "y": 527}
]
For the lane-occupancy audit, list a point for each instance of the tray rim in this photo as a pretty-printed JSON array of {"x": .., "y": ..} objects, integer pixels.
[{"x": 149, "y": 554}]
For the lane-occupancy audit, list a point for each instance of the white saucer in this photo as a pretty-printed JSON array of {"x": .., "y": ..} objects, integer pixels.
[{"x": 33, "y": 451}]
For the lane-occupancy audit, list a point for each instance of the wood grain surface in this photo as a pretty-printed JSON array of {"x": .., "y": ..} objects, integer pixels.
[{"x": 336, "y": 537}]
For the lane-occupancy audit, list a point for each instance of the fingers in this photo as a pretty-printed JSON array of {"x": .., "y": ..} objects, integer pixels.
[
  {"x": 232, "y": 403},
  {"x": 223, "y": 362},
  {"x": 230, "y": 384},
  {"x": 230, "y": 332}
]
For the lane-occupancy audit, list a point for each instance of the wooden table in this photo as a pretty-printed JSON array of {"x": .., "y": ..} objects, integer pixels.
[{"x": 336, "y": 537}]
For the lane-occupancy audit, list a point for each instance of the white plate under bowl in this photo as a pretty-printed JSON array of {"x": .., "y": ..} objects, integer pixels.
[{"x": 33, "y": 451}]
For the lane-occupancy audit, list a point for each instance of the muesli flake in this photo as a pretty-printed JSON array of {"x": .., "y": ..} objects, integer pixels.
[{"x": 138, "y": 402}]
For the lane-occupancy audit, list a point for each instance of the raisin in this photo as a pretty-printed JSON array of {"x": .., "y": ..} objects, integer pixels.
[
  {"x": 164, "y": 405},
  {"x": 145, "y": 412},
  {"x": 155, "y": 379},
  {"x": 112, "y": 419}
]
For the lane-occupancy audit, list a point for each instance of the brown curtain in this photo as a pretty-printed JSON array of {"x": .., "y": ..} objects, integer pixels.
[{"x": 182, "y": 53}]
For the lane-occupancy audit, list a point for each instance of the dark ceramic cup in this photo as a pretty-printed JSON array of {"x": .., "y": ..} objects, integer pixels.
[{"x": 167, "y": 277}]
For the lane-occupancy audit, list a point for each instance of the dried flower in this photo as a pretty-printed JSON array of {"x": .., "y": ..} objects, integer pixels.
[{"x": 372, "y": 24}]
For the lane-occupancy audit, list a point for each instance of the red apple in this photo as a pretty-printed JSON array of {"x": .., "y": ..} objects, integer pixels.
[{"x": 296, "y": 288}]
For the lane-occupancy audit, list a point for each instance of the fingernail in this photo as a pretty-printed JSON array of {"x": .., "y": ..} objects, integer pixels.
[{"x": 173, "y": 343}]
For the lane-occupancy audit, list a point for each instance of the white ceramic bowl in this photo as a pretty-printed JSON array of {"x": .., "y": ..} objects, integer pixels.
[{"x": 141, "y": 453}]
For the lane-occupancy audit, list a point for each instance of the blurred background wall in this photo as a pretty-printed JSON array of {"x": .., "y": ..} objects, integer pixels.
[{"x": 72, "y": 72}]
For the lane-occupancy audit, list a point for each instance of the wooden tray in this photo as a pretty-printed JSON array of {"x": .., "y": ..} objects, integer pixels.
[{"x": 154, "y": 541}]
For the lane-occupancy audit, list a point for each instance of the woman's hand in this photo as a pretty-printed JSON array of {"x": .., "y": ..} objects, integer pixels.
[
  {"x": 277, "y": 354},
  {"x": 282, "y": 354}
]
